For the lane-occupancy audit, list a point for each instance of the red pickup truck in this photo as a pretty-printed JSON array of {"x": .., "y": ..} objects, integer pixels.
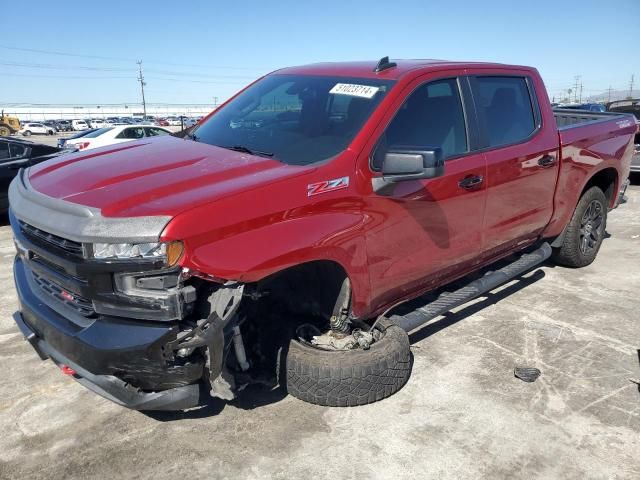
[{"x": 270, "y": 244}]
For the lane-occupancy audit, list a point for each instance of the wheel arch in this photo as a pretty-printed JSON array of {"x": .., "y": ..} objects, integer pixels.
[{"x": 607, "y": 180}]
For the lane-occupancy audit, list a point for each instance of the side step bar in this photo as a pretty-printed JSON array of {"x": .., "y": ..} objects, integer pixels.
[{"x": 474, "y": 289}]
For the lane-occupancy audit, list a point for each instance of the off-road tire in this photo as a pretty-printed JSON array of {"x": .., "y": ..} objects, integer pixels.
[
  {"x": 4, "y": 131},
  {"x": 570, "y": 254},
  {"x": 352, "y": 377}
]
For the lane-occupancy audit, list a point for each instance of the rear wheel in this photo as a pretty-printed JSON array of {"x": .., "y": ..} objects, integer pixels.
[
  {"x": 4, "y": 131},
  {"x": 585, "y": 231}
]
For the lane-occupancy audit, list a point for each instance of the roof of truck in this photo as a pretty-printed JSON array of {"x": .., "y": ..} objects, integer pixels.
[{"x": 366, "y": 68}]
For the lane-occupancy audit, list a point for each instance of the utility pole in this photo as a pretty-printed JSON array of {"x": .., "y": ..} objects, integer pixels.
[
  {"x": 142, "y": 84},
  {"x": 575, "y": 90},
  {"x": 631, "y": 87},
  {"x": 609, "y": 95},
  {"x": 580, "y": 101}
]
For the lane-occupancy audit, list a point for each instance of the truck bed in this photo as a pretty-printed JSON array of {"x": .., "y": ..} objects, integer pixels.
[
  {"x": 582, "y": 128},
  {"x": 567, "y": 118}
]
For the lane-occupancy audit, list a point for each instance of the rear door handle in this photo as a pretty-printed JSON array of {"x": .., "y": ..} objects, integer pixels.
[
  {"x": 547, "y": 161},
  {"x": 470, "y": 181}
]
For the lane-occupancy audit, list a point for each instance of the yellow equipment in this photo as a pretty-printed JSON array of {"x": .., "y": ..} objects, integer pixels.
[{"x": 8, "y": 125}]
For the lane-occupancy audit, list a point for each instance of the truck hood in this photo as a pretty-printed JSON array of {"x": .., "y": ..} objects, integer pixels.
[{"x": 157, "y": 176}]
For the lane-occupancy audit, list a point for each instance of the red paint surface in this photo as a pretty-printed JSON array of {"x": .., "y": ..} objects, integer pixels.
[{"x": 244, "y": 217}]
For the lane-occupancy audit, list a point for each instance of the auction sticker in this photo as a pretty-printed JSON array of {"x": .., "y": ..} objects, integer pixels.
[{"x": 363, "y": 91}]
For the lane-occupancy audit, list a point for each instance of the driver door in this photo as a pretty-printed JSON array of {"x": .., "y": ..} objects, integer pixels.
[{"x": 426, "y": 231}]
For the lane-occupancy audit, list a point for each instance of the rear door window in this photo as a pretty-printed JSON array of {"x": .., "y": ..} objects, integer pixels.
[
  {"x": 154, "y": 132},
  {"x": 17, "y": 151},
  {"x": 505, "y": 108},
  {"x": 4, "y": 151},
  {"x": 131, "y": 133}
]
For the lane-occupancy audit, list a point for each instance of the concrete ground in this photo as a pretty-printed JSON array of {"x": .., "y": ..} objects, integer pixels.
[{"x": 462, "y": 414}]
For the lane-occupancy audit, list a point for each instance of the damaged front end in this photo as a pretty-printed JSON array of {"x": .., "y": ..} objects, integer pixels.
[{"x": 106, "y": 300}]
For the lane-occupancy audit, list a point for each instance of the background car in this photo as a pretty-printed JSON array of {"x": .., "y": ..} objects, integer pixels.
[
  {"x": 79, "y": 125},
  {"x": 97, "y": 123},
  {"x": 173, "y": 121},
  {"x": 631, "y": 106},
  {"x": 65, "y": 125},
  {"x": 53, "y": 124},
  {"x": 33, "y": 128},
  {"x": 62, "y": 141},
  {"x": 189, "y": 122},
  {"x": 590, "y": 107},
  {"x": 15, "y": 154},
  {"x": 162, "y": 122},
  {"x": 113, "y": 135}
]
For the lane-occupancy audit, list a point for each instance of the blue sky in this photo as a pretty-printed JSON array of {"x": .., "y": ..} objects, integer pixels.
[{"x": 193, "y": 51}]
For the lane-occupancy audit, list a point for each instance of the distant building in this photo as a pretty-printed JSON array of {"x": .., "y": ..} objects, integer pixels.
[{"x": 27, "y": 111}]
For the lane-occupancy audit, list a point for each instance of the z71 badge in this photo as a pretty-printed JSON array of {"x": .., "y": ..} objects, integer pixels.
[{"x": 327, "y": 186}]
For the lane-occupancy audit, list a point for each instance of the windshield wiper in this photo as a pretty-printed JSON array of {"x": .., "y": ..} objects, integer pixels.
[{"x": 243, "y": 149}]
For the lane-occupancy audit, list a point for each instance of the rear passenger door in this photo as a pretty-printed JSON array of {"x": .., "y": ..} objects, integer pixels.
[{"x": 521, "y": 156}]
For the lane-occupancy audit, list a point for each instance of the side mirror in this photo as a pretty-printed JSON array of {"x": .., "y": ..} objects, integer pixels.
[{"x": 411, "y": 163}]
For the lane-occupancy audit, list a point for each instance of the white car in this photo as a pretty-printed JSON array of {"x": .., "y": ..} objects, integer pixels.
[
  {"x": 36, "y": 129},
  {"x": 97, "y": 123},
  {"x": 190, "y": 122},
  {"x": 79, "y": 125},
  {"x": 113, "y": 135},
  {"x": 173, "y": 121}
]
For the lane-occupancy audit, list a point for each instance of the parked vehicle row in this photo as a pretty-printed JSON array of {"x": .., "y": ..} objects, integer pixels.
[{"x": 46, "y": 127}]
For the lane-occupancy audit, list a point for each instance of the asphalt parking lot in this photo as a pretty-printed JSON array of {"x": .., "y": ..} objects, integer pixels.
[{"x": 462, "y": 414}]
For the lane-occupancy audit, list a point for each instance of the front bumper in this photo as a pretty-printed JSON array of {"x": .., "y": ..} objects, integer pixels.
[
  {"x": 112, "y": 388},
  {"x": 119, "y": 359}
]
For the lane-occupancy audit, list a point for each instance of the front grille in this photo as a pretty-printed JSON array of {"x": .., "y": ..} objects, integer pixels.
[
  {"x": 36, "y": 234},
  {"x": 80, "y": 304}
]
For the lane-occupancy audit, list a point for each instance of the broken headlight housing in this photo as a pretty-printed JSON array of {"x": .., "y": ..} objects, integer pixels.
[{"x": 171, "y": 252}]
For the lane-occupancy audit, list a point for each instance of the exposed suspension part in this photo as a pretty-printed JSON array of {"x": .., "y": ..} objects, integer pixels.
[{"x": 339, "y": 322}]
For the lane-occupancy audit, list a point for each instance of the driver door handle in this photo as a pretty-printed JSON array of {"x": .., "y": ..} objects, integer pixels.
[{"x": 470, "y": 182}]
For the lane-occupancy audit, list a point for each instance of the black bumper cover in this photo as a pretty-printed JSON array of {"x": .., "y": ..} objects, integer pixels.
[{"x": 106, "y": 350}]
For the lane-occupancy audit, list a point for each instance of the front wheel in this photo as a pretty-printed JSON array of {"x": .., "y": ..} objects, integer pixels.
[
  {"x": 585, "y": 231},
  {"x": 27, "y": 133},
  {"x": 345, "y": 378}
]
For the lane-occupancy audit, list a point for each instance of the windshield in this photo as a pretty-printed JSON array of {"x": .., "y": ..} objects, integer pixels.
[{"x": 295, "y": 119}]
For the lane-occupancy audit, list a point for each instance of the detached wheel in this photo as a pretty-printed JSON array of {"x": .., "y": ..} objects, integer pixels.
[
  {"x": 346, "y": 378},
  {"x": 585, "y": 232}
]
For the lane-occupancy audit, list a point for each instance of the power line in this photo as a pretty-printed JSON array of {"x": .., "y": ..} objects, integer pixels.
[
  {"x": 50, "y": 66},
  {"x": 121, "y": 59},
  {"x": 85, "y": 77}
]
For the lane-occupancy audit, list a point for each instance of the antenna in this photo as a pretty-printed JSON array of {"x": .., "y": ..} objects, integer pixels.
[{"x": 384, "y": 64}]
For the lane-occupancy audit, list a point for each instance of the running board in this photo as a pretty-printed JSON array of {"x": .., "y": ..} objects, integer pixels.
[{"x": 491, "y": 280}]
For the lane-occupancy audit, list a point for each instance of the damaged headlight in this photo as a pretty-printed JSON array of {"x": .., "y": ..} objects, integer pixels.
[{"x": 171, "y": 251}]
